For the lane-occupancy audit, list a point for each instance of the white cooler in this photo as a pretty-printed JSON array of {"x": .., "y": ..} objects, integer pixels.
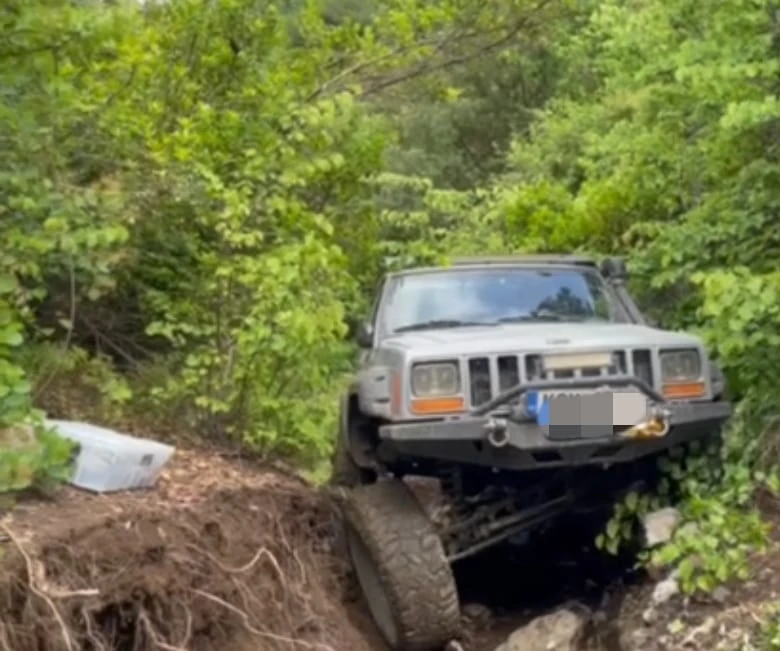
[{"x": 110, "y": 461}]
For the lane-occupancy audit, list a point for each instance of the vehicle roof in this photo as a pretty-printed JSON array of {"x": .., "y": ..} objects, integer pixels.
[{"x": 520, "y": 260}]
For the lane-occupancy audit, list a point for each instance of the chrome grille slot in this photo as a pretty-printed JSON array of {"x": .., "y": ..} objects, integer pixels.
[
  {"x": 480, "y": 389},
  {"x": 642, "y": 363},
  {"x": 533, "y": 368},
  {"x": 508, "y": 372}
]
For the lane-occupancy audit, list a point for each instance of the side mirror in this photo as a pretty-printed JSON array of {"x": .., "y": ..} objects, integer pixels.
[
  {"x": 365, "y": 335},
  {"x": 718, "y": 381}
]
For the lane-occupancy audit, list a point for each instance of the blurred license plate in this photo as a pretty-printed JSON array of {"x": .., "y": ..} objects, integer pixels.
[
  {"x": 536, "y": 401},
  {"x": 589, "y": 407}
]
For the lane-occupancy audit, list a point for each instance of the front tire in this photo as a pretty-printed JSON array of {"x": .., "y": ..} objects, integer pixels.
[{"x": 400, "y": 564}]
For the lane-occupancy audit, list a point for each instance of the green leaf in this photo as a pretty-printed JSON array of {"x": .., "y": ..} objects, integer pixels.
[
  {"x": 10, "y": 337},
  {"x": 7, "y": 284},
  {"x": 632, "y": 501},
  {"x": 686, "y": 569}
]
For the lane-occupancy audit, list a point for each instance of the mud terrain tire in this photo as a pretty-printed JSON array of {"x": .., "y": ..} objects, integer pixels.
[{"x": 400, "y": 563}]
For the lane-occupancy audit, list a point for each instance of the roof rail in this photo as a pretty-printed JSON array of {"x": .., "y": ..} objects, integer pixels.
[{"x": 521, "y": 258}]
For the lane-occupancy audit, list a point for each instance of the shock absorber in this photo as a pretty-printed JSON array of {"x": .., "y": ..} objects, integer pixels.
[{"x": 457, "y": 506}]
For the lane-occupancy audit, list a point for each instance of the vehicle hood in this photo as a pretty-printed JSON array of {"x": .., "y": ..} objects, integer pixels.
[{"x": 536, "y": 337}]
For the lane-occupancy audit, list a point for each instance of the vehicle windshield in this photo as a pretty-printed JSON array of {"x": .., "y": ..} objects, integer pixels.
[{"x": 468, "y": 297}]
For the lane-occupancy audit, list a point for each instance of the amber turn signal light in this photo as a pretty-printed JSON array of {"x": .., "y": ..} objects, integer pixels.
[
  {"x": 434, "y": 406},
  {"x": 684, "y": 390}
]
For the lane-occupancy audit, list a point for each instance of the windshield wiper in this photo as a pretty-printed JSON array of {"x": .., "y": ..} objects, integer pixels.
[
  {"x": 440, "y": 323},
  {"x": 544, "y": 316}
]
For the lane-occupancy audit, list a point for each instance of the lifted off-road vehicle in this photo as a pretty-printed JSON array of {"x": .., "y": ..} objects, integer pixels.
[{"x": 529, "y": 387}]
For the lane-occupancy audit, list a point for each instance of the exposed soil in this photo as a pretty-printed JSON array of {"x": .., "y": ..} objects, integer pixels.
[
  {"x": 226, "y": 555},
  {"x": 219, "y": 556}
]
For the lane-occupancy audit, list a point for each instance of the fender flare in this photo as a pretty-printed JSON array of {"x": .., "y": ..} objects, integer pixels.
[{"x": 350, "y": 437}]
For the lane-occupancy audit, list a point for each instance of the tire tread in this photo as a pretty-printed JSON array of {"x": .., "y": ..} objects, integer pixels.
[{"x": 410, "y": 560}]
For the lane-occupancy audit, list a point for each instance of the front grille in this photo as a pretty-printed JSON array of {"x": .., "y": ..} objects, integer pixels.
[{"x": 490, "y": 375}]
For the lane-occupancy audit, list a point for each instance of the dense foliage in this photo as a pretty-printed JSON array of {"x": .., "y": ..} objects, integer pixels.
[
  {"x": 198, "y": 197},
  {"x": 190, "y": 198}
]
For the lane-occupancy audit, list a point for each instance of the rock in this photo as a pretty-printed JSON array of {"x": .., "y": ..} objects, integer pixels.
[
  {"x": 633, "y": 638},
  {"x": 701, "y": 631},
  {"x": 659, "y": 526},
  {"x": 656, "y": 573},
  {"x": 475, "y": 610},
  {"x": 649, "y": 616},
  {"x": 665, "y": 590},
  {"x": 721, "y": 594},
  {"x": 477, "y": 615},
  {"x": 637, "y": 641},
  {"x": 561, "y": 630}
]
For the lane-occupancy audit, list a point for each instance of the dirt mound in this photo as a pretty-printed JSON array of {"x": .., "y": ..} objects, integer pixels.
[{"x": 247, "y": 566}]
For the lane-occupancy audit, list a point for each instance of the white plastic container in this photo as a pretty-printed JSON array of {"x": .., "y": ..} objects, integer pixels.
[{"x": 110, "y": 461}]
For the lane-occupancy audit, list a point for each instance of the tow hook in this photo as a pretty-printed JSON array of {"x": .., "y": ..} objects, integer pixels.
[
  {"x": 497, "y": 434},
  {"x": 655, "y": 427}
]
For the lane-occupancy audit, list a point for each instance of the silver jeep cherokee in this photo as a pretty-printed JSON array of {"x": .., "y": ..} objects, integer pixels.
[{"x": 529, "y": 387}]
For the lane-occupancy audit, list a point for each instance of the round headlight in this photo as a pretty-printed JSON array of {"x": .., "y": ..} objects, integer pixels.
[{"x": 435, "y": 379}]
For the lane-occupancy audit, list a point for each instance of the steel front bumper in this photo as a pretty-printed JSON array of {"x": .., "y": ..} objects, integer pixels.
[{"x": 526, "y": 445}]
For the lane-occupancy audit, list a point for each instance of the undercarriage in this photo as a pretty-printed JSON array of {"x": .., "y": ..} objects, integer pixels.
[
  {"x": 507, "y": 508},
  {"x": 404, "y": 540}
]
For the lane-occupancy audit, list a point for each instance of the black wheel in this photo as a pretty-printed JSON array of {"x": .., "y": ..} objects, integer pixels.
[{"x": 400, "y": 564}]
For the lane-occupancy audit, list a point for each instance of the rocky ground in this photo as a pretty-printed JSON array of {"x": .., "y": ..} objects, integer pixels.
[{"x": 226, "y": 555}]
